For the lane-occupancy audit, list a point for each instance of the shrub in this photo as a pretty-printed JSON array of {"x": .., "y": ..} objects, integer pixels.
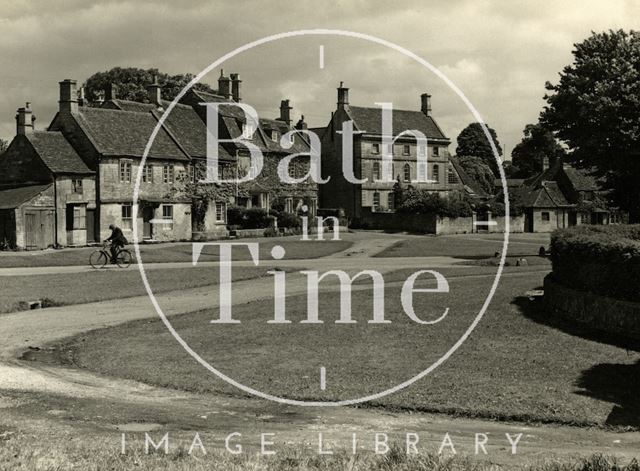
[
  {"x": 289, "y": 220},
  {"x": 425, "y": 202},
  {"x": 251, "y": 218},
  {"x": 603, "y": 260}
]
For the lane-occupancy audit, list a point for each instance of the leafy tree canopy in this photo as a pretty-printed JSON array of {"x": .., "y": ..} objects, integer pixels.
[
  {"x": 473, "y": 142},
  {"x": 595, "y": 110},
  {"x": 537, "y": 143},
  {"x": 3, "y": 145},
  {"x": 132, "y": 83},
  {"x": 479, "y": 171}
]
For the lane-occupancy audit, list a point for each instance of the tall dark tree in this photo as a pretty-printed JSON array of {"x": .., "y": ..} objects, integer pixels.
[
  {"x": 132, "y": 83},
  {"x": 537, "y": 143},
  {"x": 3, "y": 145},
  {"x": 473, "y": 142},
  {"x": 477, "y": 169},
  {"x": 595, "y": 110}
]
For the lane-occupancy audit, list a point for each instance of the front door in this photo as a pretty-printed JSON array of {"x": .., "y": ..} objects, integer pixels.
[
  {"x": 147, "y": 228},
  {"x": 90, "y": 224}
]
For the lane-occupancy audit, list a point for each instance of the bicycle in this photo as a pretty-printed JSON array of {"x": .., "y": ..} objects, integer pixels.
[{"x": 102, "y": 256}]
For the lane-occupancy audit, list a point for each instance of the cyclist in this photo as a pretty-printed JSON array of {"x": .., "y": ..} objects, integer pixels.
[{"x": 117, "y": 239}]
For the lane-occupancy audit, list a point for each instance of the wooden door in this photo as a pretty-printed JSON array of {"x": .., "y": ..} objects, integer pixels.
[
  {"x": 147, "y": 216},
  {"x": 30, "y": 231},
  {"x": 91, "y": 225}
]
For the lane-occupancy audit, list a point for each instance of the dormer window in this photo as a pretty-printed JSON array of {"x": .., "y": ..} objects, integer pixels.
[
  {"x": 248, "y": 130},
  {"x": 436, "y": 151},
  {"x": 275, "y": 135}
]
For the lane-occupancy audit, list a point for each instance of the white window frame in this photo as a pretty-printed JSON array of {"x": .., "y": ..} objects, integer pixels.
[
  {"x": 127, "y": 221},
  {"x": 168, "y": 173},
  {"x": 167, "y": 216},
  {"x": 406, "y": 178},
  {"x": 435, "y": 174},
  {"x": 391, "y": 201},
  {"x": 406, "y": 149},
  {"x": 376, "y": 196},
  {"x": 247, "y": 130},
  {"x": 436, "y": 151},
  {"x": 221, "y": 214},
  {"x": 275, "y": 135},
  {"x": 375, "y": 148},
  {"x": 125, "y": 170},
  {"x": 147, "y": 173}
]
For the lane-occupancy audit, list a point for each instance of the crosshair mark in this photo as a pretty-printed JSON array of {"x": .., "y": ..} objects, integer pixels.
[
  {"x": 323, "y": 378},
  {"x": 321, "y": 56}
]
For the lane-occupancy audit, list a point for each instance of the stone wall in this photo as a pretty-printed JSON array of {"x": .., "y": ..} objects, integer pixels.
[
  {"x": 599, "y": 312},
  {"x": 111, "y": 213},
  {"x": 418, "y": 223},
  {"x": 516, "y": 224}
]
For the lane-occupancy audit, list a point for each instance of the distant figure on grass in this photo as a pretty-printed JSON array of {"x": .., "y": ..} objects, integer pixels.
[{"x": 117, "y": 239}]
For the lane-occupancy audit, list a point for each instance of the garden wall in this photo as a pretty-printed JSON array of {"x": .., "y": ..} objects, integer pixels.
[
  {"x": 516, "y": 224},
  {"x": 418, "y": 223},
  {"x": 599, "y": 312}
]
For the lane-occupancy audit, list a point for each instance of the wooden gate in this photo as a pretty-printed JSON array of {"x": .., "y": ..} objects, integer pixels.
[{"x": 38, "y": 228}]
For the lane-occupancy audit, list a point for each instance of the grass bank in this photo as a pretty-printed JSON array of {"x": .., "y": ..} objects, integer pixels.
[{"x": 518, "y": 364}]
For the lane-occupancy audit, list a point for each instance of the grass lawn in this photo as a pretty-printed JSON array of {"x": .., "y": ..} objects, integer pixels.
[
  {"x": 182, "y": 252},
  {"x": 517, "y": 365},
  {"x": 476, "y": 246},
  {"x": 23, "y": 453},
  {"x": 99, "y": 285}
]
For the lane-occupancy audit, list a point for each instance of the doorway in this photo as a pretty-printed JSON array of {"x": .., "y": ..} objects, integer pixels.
[{"x": 147, "y": 227}]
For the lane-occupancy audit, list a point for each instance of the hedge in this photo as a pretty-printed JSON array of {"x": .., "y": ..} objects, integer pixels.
[{"x": 604, "y": 260}]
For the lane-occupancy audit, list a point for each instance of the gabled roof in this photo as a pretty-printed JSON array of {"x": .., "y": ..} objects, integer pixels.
[
  {"x": 548, "y": 195},
  {"x": 369, "y": 120},
  {"x": 581, "y": 179},
  {"x": 183, "y": 124},
  {"x": 126, "y": 133},
  {"x": 466, "y": 179},
  {"x": 14, "y": 197},
  {"x": 56, "y": 153},
  {"x": 268, "y": 125}
]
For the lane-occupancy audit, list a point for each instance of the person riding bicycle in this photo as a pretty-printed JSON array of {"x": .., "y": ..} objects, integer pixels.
[{"x": 117, "y": 239}]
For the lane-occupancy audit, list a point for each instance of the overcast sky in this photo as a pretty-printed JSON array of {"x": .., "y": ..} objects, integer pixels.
[{"x": 499, "y": 53}]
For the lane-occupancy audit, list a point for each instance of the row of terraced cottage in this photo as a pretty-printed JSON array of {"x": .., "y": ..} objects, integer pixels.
[{"x": 65, "y": 185}]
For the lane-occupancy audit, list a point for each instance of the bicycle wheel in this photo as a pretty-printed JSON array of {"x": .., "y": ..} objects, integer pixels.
[
  {"x": 98, "y": 259},
  {"x": 124, "y": 259}
]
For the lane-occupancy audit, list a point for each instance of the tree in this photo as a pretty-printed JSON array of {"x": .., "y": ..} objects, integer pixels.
[
  {"x": 473, "y": 142},
  {"x": 3, "y": 145},
  {"x": 595, "y": 110},
  {"x": 132, "y": 83},
  {"x": 479, "y": 171},
  {"x": 537, "y": 143}
]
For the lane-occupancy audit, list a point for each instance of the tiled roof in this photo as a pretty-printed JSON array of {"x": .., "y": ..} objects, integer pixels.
[
  {"x": 14, "y": 197},
  {"x": 581, "y": 179},
  {"x": 370, "y": 121},
  {"x": 56, "y": 153},
  {"x": 511, "y": 182},
  {"x": 268, "y": 125},
  {"x": 548, "y": 195},
  {"x": 183, "y": 123},
  {"x": 126, "y": 133}
]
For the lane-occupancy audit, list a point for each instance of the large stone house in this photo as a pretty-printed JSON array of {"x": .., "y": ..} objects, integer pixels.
[
  {"x": 82, "y": 170},
  {"x": 360, "y": 200}
]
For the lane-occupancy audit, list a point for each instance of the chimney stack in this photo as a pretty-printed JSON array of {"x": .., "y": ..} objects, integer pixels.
[
  {"x": 425, "y": 103},
  {"x": 223, "y": 85},
  {"x": 343, "y": 96},
  {"x": 301, "y": 124},
  {"x": 25, "y": 120},
  {"x": 68, "y": 96},
  {"x": 235, "y": 87},
  {"x": 153, "y": 90},
  {"x": 81, "y": 99},
  {"x": 111, "y": 92},
  {"x": 285, "y": 112}
]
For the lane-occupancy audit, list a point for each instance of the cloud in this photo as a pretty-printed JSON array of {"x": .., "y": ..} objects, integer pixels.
[{"x": 498, "y": 53}]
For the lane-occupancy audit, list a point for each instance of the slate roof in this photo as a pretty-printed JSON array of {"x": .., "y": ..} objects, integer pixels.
[
  {"x": 57, "y": 154},
  {"x": 511, "y": 182},
  {"x": 14, "y": 197},
  {"x": 183, "y": 124},
  {"x": 370, "y": 121},
  {"x": 268, "y": 125},
  {"x": 126, "y": 133},
  {"x": 548, "y": 195},
  {"x": 581, "y": 179}
]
